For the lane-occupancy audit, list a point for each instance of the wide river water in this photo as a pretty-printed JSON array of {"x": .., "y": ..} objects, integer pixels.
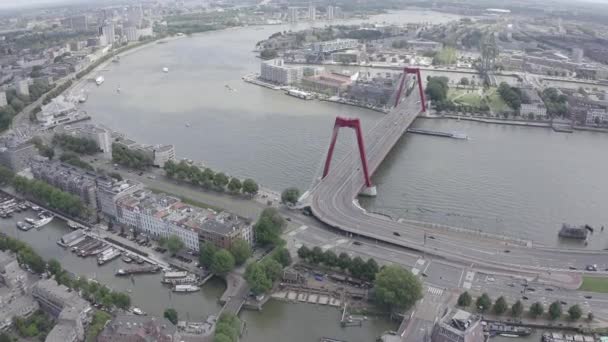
[{"x": 507, "y": 180}]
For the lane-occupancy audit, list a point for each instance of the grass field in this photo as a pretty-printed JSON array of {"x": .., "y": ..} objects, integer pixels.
[
  {"x": 594, "y": 284},
  {"x": 496, "y": 103}
]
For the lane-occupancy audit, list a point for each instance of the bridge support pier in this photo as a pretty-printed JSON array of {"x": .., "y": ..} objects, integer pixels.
[{"x": 369, "y": 191}]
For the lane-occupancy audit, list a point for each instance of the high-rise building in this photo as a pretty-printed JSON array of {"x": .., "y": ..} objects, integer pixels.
[
  {"x": 330, "y": 12},
  {"x": 131, "y": 33},
  {"x": 108, "y": 32},
  {"x": 577, "y": 55},
  {"x": 293, "y": 14},
  {"x": 312, "y": 12}
]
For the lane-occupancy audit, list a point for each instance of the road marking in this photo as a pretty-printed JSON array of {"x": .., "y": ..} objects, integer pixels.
[
  {"x": 427, "y": 267},
  {"x": 461, "y": 275},
  {"x": 434, "y": 291},
  {"x": 420, "y": 262},
  {"x": 466, "y": 285},
  {"x": 470, "y": 276},
  {"x": 415, "y": 271}
]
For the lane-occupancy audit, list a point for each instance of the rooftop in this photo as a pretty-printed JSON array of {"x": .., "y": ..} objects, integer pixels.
[{"x": 147, "y": 328}]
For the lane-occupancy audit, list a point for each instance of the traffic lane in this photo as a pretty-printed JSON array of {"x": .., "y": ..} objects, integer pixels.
[
  {"x": 382, "y": 254},
  {"x": 445, "y": 276}
]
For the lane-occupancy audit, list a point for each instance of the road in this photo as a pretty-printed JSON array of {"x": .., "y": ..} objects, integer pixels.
[{"x": 333, "y": 201}]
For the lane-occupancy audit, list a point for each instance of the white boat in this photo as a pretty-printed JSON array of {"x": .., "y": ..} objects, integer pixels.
[
  {"x": 186, "y": 288},
  {"x": 82, "y": 99},
  {"x": 35, "y": 208},
  {"x": 138, "y": 311},
  {"x": 459, "y": 135},
  {"x": 99, "y": 80},
  {"x": 42, "y": 222},
  {"x": 187, "y": 280},
  {"x": 72, "y": 225},
  {"x": 29, "y": 220},
  {"x": 187, "y": 124},
  {"x": 108, "y": 255},
  {"x": 165, "y": 69}
]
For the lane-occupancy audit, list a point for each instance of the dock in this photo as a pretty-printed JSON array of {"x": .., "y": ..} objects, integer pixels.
[{"x": 453, "y": 135}]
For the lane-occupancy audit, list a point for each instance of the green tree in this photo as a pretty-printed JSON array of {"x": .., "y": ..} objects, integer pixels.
[
  {"x": 283, "y": 256},
  {"x": 222, "y": 262},
  {"x": 171, "y": 315},
  {"x": 256, "y": 277},
  {"x": 437, "y": 88},
  {"x": 536, "y": 309},
  {"x": 268, "y": 227},
  {"x": 290, "y": 196},
  {"x": 397, "y": 288},
  {"x": 464, "y": 81},
  {"x": 575, "y": 312},
  {"x": 240, "y": 250},
  {"x": 219, "y": 337},
  {"x": 517, "y": 309},
  {"x": 304, "y": 252},
  {"x": 224, "y": 329},
  {"x": 500, "y": 306},
  {"x": 268, "y": 54},
  {"x": 555, "y": 310},
  {"x": 174, "y": 244},
  {"x": 344, "y": 261},
  {"x": 357, "y": 267},
  {"x": 54, "y": 266},
  {"x": 170, "y": 168},
  {"x": 370, "y": 269},
  {"x": 220, "y": 180},
  {"x": 330, "y": 258},
  {"x": 206, "y": 254},
  {"x": 464, "y": 300},
  {"x": 272, "y": 268},
  {"x": 250, "y": 186},
  {"x": 4, "y": 337},
  {"x": 235, "y": 185},
  {"x": 483, "y": 303},
  {"x": 316, "y": 255}
]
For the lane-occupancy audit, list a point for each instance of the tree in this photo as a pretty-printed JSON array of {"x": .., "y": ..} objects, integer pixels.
[
  {"x": 268, "y": 54},
  {"x": 330, "y": 258},
  {"x": 536, "y": 309},
  {"x": 397, "y": 288},
  {"x": 54, "y": 266},
  {"x": 234, "y": 185},
  {"x": 5, "y": 338},
  {"x": 483, "y": 303},
  {"x": 517, "y": 309},
  {"x": 268, "y": 227},
  {"x": 220, "y": 180},
  {"x": 171, "y": 315},
  {"x": 283, "y": 256},
  {"x": 222, "y": 262},
  {"x": 464, "y": 300},
  {"x": 250, "y": 186},
  {"x": 437, "y": 88},
  {"x": 343, "y": 261},
  {"x": 590, "y": 317},
  {"x": 464, "y": 81},
  {"x": 317, "y": 256},
  {"x": 272, "y": 268},
  {"x": 290, "y": 196},
  {"x": 174, "y": 244},
  {"x": 500, "y": 306},
  {"x": 219, "y": 337},
  {"x": 370, "y": 269},
  {"x": 555, "y": 310},
  {"x": 257, "y": 278},
  {"x": 207, "y": 252},
  {"x": 304, "y": 252},
  {"x": 240, "y": 250},
  {"x": 575, "y": 312},
  {"x": 357, "y": 267}
]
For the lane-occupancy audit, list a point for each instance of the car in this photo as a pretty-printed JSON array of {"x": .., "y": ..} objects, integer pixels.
[
  {"x": 524, "y": 297},
  {"x": 288, "y": 219},
  {"x": 507, "y": 251},
  {"x": 562, "y": 302},
  {"x": 424, "y": 274},
  {"x": 511, "y": 285},
  {"x": 357, "y": 243},
  {"x": 588, "y": 296},
  {"x": 140, "y": 173},
  {"x": 549, "y": 289},
  {"x": 592, "y": 268},
  {"x": 572, "y": 267},
  {"x": 396, "y": 234},
  {"x": 431, "y": 237},
  {"x": 531, "y": 289}
]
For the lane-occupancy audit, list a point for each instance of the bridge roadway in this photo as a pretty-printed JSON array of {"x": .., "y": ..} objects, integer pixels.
[{"x": 333, "y": 201}]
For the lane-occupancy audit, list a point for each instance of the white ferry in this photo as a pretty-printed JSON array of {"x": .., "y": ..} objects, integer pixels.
[
  {"x": 99, "y": 80},
  {"x": 175, "y": 274},
  {"x": 186, "y": 288},
  {"x": 165, "y": 69}
]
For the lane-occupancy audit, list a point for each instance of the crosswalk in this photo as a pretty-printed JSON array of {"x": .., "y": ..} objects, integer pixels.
[{"x": 434, "y": 291}]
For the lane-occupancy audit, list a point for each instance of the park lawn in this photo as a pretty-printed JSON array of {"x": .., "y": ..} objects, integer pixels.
[
  {"x": 453, "y": 93},
  {"x": 470, "y": 99},
  {"x": 594, "y": 284}
]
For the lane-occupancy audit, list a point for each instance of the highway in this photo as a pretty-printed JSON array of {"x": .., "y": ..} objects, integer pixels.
[{"x": 333, "y": 201}]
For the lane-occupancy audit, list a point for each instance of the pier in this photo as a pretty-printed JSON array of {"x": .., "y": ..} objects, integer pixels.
[{"x": 453, "y": 135}]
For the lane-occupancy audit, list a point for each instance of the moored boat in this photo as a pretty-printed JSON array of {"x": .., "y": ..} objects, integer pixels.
[{"x": 186, "y": 288}]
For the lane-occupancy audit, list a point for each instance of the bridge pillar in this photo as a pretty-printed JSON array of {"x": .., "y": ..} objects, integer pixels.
[
  {"x": 415, "y": 71},
  {"x": 369, "y": 189}
]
